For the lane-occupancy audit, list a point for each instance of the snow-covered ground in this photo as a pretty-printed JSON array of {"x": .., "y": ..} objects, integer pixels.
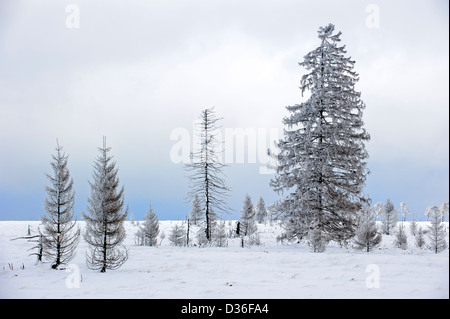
[{"x": 273, "y": 270}]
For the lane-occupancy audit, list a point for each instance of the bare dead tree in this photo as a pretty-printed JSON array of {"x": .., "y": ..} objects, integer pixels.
[
  {"x": 207, "y": 178},
  {"x": 39, "y": 240}
]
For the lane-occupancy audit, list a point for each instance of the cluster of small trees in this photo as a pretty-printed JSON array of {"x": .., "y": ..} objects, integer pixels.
[
  {"x": 192, "y": 231},
  {"x": 368, "y": 235}
]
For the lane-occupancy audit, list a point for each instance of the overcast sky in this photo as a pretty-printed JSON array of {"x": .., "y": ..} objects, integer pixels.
[{"x": 136, "y": 70}]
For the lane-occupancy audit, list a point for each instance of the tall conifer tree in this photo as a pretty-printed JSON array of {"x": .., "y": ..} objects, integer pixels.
[
  {"x": 105, "y": 230},
  {"x": 61, "y": 237},
  {"x": 321, "y": 163}
]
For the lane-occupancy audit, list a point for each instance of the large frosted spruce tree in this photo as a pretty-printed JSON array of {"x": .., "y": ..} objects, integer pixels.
[
  {"x": 61, "y": 237},
  {"x": 321, "y": 163},
  {"x": 104, "y": 224}
]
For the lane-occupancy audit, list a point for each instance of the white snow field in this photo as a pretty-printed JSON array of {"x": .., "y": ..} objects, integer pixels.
[{"x": 273, "y": 270}]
